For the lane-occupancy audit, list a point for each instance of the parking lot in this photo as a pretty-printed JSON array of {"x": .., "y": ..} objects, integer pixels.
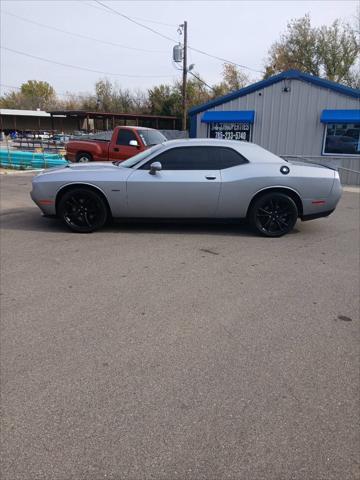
[{"x": 178, "y": 351}]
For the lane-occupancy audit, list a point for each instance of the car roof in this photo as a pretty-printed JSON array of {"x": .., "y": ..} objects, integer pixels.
[{"x": 251, "y": 151}]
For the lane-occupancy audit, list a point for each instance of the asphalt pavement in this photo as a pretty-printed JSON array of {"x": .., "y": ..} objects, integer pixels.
[{"x": 178, "y": 351}]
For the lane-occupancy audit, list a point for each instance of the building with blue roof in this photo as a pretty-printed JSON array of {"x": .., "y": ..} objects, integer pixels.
[{"x": 294, "y": 115}]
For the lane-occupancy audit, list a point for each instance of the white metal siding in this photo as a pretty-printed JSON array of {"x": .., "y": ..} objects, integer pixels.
[{"x": 288, "y": 123}]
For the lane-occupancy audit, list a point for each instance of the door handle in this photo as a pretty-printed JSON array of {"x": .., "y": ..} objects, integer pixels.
[
  {"x": 116, "y": 149},
  {"x": 210, "y": 177}
]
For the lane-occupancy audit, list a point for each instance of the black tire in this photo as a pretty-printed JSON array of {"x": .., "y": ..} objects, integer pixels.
[
  {"x": 273, "y": 214},
  {"x": 84, "y": 158},
  {"x": 83, "y": 210}
]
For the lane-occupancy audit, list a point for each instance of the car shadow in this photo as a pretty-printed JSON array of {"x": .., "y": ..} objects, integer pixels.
[
  {"x": 179, "y": 227},
  {"x": 28, "y": 219}
]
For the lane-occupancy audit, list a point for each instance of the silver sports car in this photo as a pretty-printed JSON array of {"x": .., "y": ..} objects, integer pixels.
[{"x": 200, "y": 178}]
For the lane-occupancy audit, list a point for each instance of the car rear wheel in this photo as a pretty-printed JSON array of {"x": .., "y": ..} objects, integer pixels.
[
  {"x": 84, "y": 158},
  {"x": 273, "y": 214},
  {"x": 83, "y": 210}
]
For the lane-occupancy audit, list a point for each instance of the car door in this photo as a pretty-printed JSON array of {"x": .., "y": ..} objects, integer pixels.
[
  {"x": 121, "y": 148},
  {"x": 185, "y": 187},
  {"x": 237, "y": 183}
]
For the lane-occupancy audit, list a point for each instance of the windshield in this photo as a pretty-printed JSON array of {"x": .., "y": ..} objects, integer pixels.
[
  {"x": 131, "y": 162},
  {"x": 151, "y": 137}
]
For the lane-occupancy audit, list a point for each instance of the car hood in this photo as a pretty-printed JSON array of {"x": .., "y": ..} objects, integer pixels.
[
  {"x": 92, "y": 166},
  {"x": 83, "y": 167}
]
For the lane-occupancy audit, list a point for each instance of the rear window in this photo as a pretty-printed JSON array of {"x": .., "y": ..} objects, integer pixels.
[{"x": 151, "y": 137}]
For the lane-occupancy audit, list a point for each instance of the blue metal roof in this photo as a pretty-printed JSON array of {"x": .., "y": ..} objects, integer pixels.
[
  {"x": 244, "y": 116},
  {"x": 290, "y": 74},
  {"x": 340, "y": 116}
]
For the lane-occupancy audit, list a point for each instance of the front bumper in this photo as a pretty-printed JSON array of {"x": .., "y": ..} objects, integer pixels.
[{"x": 43, "y": 201}]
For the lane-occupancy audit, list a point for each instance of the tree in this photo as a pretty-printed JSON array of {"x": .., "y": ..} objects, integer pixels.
[
  {"x": 167, "y": 99},
  {"x": 196, "y": 91},
  {"x": 140, "y": 102},
  {"x": 112, "y": 98},
  {"x": 104, "y": 95},
  {"x": 89, "y": 103},
  {"x": 12, "y": 100},
  {"x": 38, "y": 94},
  {"x": 338, "y": 50},
  {"x": 296, "y": 49},
  {"x": 330, "y": 52},
  {"x": 123, "y": 100},
  {"x": 33, "y": 94},
  {"x": 233, "y": 79},
  {"x": 164, "y": 100},
  {"x": 72, "y": 101}
]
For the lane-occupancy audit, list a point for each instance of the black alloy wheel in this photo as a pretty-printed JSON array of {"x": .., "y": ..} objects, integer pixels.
[
  {"x": 84, "y": 158},
  {"x": 83, "y": 210},
  {"x": 273, "y": 214}
]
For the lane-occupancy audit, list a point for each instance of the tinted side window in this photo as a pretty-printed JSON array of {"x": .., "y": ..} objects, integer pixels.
[
  {"x": 226, "y": 158},
  {"x": 183, "y": 158},
  {"x": 124, "y": 137},
  {"x": 197, "y": 158}
]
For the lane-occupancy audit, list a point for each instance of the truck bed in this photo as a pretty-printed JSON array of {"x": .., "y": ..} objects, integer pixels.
[{"x": 98, "y": 137}]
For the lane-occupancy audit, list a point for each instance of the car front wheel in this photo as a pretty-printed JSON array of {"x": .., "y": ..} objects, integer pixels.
[
  {"x": 273, "y": 214},
  {"x": 83, "y": 210}
]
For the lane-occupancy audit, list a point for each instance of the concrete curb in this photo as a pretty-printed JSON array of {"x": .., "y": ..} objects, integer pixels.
[
  {"x": 353, "y": 189},
  {"x": 18, "y": 172}
]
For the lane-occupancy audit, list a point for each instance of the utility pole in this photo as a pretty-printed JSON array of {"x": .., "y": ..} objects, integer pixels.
[{"x": 184, "y": 109}]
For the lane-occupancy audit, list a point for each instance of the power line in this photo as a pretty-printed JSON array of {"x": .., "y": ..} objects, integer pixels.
[
  {"x": 224, "y": 60},
  {"x": 201, "y": 80},
  {"x": 135, "y": 21},
  {"x": 79, "y": 35},
  {"x": 83, "y": 68},
  {"x": 202, "y": 52},
  {"x": 172, "y": 25}
]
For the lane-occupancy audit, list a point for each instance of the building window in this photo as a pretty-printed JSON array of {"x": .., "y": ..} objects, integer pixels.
[{"x": 342, "y": 139}]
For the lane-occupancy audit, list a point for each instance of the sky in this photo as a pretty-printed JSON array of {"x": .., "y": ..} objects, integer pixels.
[{"x": 134, "y": 57}]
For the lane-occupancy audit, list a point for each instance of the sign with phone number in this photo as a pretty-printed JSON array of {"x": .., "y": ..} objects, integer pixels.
[{"x": 230, "y": 131}]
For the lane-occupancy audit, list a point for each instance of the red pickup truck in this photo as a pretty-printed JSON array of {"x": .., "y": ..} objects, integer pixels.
[{"x": 125, "y": 142}]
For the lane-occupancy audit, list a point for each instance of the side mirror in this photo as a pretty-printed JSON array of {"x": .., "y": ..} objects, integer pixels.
[
  {"x": 134, "y": 143},
  {"x": 155, "y": 167}
]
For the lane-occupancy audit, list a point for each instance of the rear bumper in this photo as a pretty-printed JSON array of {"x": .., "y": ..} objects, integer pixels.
[
  {"x": 322, "y": 206},
  {"x": 314, "y": 216}
]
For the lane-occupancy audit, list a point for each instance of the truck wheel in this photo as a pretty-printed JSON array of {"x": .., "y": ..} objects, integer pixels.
[{"x": 84, "y": 158}]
